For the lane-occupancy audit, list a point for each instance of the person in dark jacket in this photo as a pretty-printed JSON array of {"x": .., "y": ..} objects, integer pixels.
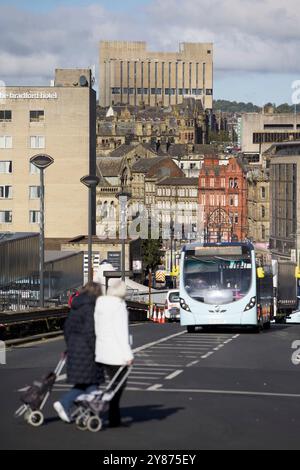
[{"x": 79, "y": 331}]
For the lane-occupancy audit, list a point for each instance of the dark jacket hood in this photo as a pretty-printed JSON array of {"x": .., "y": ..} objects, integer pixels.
[{"x": 82, "y": 299}]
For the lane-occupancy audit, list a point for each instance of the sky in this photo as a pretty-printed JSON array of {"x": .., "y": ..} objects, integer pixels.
[{"x": 256, "y": 42}]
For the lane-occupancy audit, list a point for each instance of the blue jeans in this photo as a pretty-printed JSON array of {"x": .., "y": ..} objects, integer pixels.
[{"x": 67, "y": 400}]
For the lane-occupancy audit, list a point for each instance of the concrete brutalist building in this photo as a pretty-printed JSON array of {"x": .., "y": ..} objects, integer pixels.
[{"x": 131, "y": 74}]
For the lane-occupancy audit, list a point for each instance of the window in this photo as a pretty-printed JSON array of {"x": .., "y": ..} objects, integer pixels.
[
  {"x": 6, "y": 167},
  {"x": 37, "y": 142},
  {"x": 5, "y": 116},
  {"x": 212, "y": 182},
  {"x": 5, "y": 142},
  {"x": 5, "y": 217},
  {"x": 115, "y": 91},
  {"x": 223, "y": 182},
  {"x": 33, "y": 170},
  {"x": 34, "y": 192},
  {"x": 203, "y": 182},
  {"x": 209, "y": 91},
  {"x": 203, "y": 199},
  {"x": 131, "y": 91},
  {"x": 5, "y": 192},
  {"x": 34, "y": 217},
  {"x": 236, "y": 200},
  {"x": 36, "y": 116},
  {"x": 236, "y": 218},
  {"x": 212, "y": 200},
  {"x": 263, "y": 192},
  {"x": 263, "y": 211}
]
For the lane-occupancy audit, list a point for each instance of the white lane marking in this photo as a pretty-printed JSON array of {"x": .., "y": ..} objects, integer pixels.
[
  {"x": 235, "y": 336},
  {"x": 148, "y": 345},
  {"x": 228, "y": 341},
  {"x": 207, "y": 355},
  {"x": 192, "y": 363},
  {"x": 159, "y": 365},
  {"x": 228, "y": 392},
  {"x": 154, "y": 387},
  {"x": 174, "y": 374},
  {"x": 61, "y": 378},
  {"x": 138, "y": 383},
  {"x": 153, "y": 372}
]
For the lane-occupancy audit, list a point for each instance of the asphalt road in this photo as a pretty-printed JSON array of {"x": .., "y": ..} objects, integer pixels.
[{"x": 226, "y": 389}]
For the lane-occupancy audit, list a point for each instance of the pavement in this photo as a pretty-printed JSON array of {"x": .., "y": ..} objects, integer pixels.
[{"x": 226, "y": 389}]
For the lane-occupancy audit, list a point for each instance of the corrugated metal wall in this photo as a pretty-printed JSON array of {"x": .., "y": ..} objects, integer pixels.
[
  {"x": 63, "y": 274},
  {"x": 19, "y": 260}
]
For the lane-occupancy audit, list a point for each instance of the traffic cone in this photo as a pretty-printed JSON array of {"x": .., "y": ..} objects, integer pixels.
[
  {"x": 154, "y": 317},
  {"x": 159, "y": 316},
  {"x": 163, "y": 320}
]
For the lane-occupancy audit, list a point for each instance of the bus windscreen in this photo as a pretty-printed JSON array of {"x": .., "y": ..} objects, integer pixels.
[{"x": 218, "y": 278}]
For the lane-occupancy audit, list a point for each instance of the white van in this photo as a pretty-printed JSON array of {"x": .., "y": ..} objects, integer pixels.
[{"x": 172, "y": 305}]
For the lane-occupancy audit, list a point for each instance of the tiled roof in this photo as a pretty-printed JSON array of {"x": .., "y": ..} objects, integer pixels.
[{"x": 109, "y": 166}]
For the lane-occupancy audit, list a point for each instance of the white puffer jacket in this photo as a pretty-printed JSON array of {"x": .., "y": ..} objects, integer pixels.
[{"x": 111, "y": 327}]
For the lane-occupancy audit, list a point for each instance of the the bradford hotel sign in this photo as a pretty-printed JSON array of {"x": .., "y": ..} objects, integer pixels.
[{"x": 28, "y": 95}]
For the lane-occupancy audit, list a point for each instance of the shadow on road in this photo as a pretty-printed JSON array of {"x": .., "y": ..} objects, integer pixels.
[
  {"x": 135, "y": 414},
  {"x": 148, "y": 413}
]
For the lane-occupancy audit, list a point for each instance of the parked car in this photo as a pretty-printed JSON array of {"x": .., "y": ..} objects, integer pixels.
[
  {"x": 172, "y": 306},
  {"x": 294, "y": 317}
]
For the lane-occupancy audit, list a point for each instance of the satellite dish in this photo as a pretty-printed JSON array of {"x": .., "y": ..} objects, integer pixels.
[{"x": 83, "y": 81}]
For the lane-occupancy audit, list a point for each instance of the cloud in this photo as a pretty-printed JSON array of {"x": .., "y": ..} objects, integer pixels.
[{"x": 248, "y": 35}]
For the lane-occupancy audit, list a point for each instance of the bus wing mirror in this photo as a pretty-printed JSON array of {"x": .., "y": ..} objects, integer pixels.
[{"x": 260, "y": 273}]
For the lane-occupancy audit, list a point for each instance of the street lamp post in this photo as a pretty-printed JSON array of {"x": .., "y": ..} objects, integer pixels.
[
  {"x": 91, "y": 182},
  {"x": 123, "y": 197},
  {"x": 42, "y": 161}
]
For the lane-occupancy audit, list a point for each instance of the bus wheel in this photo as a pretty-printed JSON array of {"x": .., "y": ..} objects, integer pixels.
[{"x": 191, "y": 329}]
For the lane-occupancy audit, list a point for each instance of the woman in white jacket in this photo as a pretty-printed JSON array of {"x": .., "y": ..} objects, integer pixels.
[{"x": 112, "y": 339}]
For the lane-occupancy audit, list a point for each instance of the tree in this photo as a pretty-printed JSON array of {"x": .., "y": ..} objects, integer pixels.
[{"x": 151, "y": 253}]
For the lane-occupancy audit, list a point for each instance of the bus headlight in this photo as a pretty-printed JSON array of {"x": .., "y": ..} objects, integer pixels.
[
  {"x": 251, "y": 304},
  {"x": 184, "y": 305}
]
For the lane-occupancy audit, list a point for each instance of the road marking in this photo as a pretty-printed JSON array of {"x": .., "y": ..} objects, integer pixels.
[
  {"x": 227, "y": 392},
  {"x": 150, "y": 372},
  {"x": 154, "y": 387},
  {"x": 162, "y": 365},
  {"x": 174, "y": 374},
  {"x": 148, "y": 345},
  {"x": 138, "y": 383},
  {"x": 207, "y": 355},
  {"x": 192, "y": 363},
  {"x": 228, "y": 340}
]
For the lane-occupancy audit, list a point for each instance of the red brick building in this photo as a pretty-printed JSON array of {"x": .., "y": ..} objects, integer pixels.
[{"x": 223, "y": 196}]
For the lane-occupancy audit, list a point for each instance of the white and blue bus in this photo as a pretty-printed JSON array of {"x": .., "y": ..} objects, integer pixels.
[{"x": 221, "y": 285}]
